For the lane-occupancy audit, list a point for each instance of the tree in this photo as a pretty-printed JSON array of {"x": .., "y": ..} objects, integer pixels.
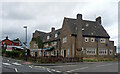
[{"x": 38, "y": 41}]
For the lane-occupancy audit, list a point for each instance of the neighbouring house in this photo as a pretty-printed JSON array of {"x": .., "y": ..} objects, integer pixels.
[
  {"x": 76, "y": 38},
  {"x": 11, "y": 45}
]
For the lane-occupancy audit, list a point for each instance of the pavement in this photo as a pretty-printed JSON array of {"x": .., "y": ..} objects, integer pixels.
[{"x": 18, "y": 66}]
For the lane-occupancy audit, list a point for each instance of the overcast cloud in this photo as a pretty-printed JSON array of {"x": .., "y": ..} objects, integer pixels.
[{"x": 44, "y": 15}]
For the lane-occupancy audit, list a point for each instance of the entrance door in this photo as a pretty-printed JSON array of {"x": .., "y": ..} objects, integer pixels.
[
  {"x": 64, "y": 53},
  {"x": 35, "y": 54}
]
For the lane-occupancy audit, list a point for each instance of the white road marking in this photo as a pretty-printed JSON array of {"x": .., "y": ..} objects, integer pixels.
[
  {"x": 103, "y": 65},
  {"x": 52, "y": 69},
  {"x": 30, "y": 66},
  {"x": 16, "y": 70},
  {"x": 6, "y": 64},
  {"x": 48, "y": 70},
  {"x": 58, "y": 71},
  {"x": 16, "y": 63},
  {"x": 77, "y": 69}
]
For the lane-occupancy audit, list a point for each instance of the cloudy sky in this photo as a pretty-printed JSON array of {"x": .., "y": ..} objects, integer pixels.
[{"x": 44, "y": 15}]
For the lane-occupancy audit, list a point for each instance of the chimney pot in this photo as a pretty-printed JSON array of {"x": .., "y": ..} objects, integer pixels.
[
  {"x": 98, "y": 19},
  {"x": 79, "y": 16},
  {"x": 7, "y": 37},
  {"x": 52, "y": 29}
]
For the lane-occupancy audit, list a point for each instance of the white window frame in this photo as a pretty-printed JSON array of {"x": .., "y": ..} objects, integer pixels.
[
  {"x": 32, "y": 53},
  {"x": 103, "y": 51},
  {"x": 56, "y": 35},
  {"x": 64, "y": 39},
  {"x": 91, "y": 50},
  {"x": 102, "y": 40},
  {"x": 86, "y": 39},
  {"x": 92, "y": 39},
  {"x": 52, "y": 52},
  {"x": 40, "y": 53},
  {"x": 111, "y": 52},
  {"x": 48, "y": 37},
  {"x": 68, "y": 51},
  {"x": 54, "y": 43},
  {"x": 35, "y": 45}
]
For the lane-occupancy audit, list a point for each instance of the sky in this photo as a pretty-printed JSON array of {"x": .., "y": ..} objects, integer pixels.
[{"x": 46, "y": 14}]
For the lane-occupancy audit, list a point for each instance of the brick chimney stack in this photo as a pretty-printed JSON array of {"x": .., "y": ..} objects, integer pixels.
[
  {"x": 7, "y": 37},
  {"x": 79, "y": 16}
]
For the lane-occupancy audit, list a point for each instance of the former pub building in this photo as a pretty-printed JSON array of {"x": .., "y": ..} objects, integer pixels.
[{"x": 77, "y": 37}]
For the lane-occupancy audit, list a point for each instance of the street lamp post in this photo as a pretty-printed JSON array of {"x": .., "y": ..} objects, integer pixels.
[{"x": 26, "y": 42}]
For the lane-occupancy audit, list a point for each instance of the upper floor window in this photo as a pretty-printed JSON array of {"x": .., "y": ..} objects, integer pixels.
[
  {"x": 48, "y": 37},
  {"x": 64, "y": 39},
  {"x": 92, "y": 39},
  {"x": 102, "y": 40},
  {"x": 86, "y": 39},
  {"x": 56, "y": 35},
  {"x": 35, "y": 45}
]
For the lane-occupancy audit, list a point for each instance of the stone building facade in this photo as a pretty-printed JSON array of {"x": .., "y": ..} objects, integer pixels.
[{"x": 76, "y": 38}]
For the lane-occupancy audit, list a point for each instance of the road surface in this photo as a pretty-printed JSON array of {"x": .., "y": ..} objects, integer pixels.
[{"x": 13, "y": 65}]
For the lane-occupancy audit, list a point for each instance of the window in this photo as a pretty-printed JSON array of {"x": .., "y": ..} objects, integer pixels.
[
  {"x": 52, "y": 53},
  {"x": 102, "y": 52},
  {"x": 54, "y": 43},
  {"x": 86, "y": 39},
  {"x": 31, "y": 53},
  {"x": 48, "y": 37},
  {"x": 64, "y": 39},
  {"x": 61, "y": 52},
  {"x": 91, "y": 51},
  {"x": 111, "y": 52},
  {"x": 102, "y": 40},
  {"x": 68, "y": 51},
  {"x": 40, "y": 53},
  {"x": 47, "y": 53},
  {"x": 35, "y": 45},
  {"x": 56, "y": 35},
  {"x": 92, "y": 39}
]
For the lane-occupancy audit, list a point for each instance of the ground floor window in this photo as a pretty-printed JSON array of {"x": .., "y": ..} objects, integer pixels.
[
  {"x": 102, "y": 52},
  {"x": 111, "y": 52},
  {"x": 68, "y": 51},
  {"x": 52, "y": 52},
  {"x": 40, "y": 53},
  {"x": 91, "y": 51},
  {"x": 31, "y": 53}
]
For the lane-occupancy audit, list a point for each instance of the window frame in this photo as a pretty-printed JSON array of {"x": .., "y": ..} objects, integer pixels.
[
  {"x": 91, "y": 50},
  {"x": 93, "y": 39},
  {"x": 48, "y": 37},
  {"x": 102, "y": 40},
  {"x": 56, "y": 35},
  {"x": 87, "y": 39},
  {"x": 103, "y": 52},
  {"x": 64, "y": 39},
  {"x": 111, "y": 52}
]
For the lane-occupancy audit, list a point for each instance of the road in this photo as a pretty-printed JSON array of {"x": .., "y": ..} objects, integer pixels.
[{"x": 12, "y": 65}]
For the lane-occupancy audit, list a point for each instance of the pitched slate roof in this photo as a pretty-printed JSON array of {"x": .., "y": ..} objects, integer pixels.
[
  {"x": 89, "y": 28},
  {"x": 44, "y": 35}
]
